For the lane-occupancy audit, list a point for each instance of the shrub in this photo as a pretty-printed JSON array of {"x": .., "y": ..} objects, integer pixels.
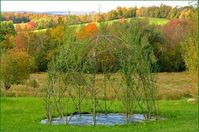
[
  {"x": 15, "y": 67},
  {"x": 171, "y": 61},
  {"x": 33, "y": 83}
]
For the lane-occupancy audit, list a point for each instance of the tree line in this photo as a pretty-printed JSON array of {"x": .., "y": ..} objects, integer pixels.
[{"x": 42, "y": 21}]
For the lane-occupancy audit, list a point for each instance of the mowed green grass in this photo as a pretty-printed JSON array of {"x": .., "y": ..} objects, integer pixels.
[
  {"x": 155, "y": 21},
  {"x": 23, "y": 114}
]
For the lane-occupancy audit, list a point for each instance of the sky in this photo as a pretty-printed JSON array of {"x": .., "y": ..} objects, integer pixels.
[{"x": 80, "y": 6}]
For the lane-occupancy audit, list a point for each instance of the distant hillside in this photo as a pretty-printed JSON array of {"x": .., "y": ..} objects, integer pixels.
[{"x": 64, "y": 13}]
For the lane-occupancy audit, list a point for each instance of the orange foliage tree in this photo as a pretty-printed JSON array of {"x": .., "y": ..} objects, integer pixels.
[
  {"x": 20, "y": 41},
  {"x": 87, "y": 31},
  {"x": 31, "y": 25}
]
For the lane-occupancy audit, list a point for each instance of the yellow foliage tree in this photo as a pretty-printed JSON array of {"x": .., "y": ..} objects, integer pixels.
[{"x": 190, "y": 54}]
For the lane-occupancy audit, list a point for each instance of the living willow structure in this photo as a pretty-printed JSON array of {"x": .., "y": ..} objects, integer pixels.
[{"x": 91, "y": 75}]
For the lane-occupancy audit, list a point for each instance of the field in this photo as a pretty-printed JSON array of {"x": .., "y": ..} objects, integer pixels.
[
  {"x": 171, "y": 85},
  {"x": 181, "y": 116}
]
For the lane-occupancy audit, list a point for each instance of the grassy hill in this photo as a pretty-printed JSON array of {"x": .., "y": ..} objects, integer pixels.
[
  {"x": 155, "y": 21},
  {"x": 152, "y": 20}
]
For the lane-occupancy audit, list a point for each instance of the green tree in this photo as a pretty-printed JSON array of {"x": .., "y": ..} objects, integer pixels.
[
  {"x": 6, "y": 28},
  {"x": 42, "y": 47}
]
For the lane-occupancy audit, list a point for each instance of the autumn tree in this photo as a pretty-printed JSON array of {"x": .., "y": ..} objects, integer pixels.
[
  {"x": 140, "y": 12},
  {"x": 170, "y": 55},
  {"x": 31, "y": 25},
  {"x": 20, "y": 41},
  {"x": 175, "y": 31},
  {"x": 43, "y": 45},
  {"x": 190, "y": 53},
  {"x": 57, "y": 32},
  {"x": 187, "y": 13},
  {"x": 87, "y": 31}
]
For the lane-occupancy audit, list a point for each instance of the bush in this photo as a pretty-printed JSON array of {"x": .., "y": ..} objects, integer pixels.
[
  {"x": 16, "y": 67},
  {"x": 33, "y": 83},
  {"x": 171, "y": 61}
]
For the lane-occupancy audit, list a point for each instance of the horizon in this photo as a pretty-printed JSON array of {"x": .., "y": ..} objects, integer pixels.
[{"x": 79, "y": 6}]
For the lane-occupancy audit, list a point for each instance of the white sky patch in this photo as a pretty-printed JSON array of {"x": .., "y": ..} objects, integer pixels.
[{"x": 79, "y": 6}]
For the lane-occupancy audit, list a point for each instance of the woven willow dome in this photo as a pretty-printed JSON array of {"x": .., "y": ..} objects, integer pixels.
[{"x": 79, "y": 89}]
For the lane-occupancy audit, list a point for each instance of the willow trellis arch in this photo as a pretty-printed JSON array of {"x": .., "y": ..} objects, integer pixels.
[{"x": 79, "y": 89}]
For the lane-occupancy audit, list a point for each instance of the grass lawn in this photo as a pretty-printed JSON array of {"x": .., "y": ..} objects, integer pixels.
[{"x": 23, "y": 114}]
